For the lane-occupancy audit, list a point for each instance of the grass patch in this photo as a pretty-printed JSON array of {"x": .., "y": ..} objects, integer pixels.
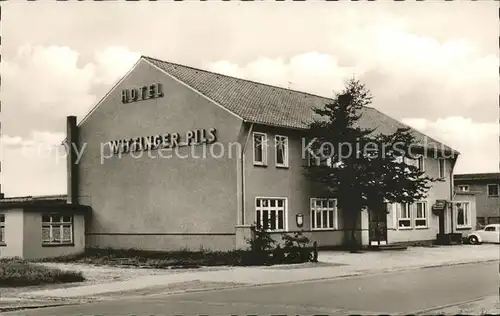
[
  {"x": 19, "y": 272},
  {"x": 181, "y": 259}
]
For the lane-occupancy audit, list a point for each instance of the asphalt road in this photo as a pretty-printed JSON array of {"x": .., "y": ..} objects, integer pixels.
[{"x": 389, "y": 293}]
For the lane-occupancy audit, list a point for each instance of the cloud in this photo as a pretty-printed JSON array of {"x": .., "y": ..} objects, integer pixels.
[
  {"x": 37, "y": 162},
  {"x": 312, "y": 72},
  {"x": 48, "y": 79},
  {"x": 408, "y": 74},
  {"x": 477, "y": 142},
  {"x": 54, "y": 82},
  {"x": 42, "y": 85},
  {"x": 112, "y": 63}
]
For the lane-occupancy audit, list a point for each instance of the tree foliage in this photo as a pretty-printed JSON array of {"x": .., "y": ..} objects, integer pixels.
[{"x": 362, "y": 167}]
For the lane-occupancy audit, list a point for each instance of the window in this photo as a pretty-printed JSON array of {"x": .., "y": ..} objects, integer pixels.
[
  {"x": 463, "y": 188},
  {"x": 271, "y": 213},
  {"x": 323, "y": 214},
  {"x": 421, "y": 163},
  {"x": 259, "y": 149},
  {"x": 480, "y": 222},
  {"x": 442, "y": 168},
  {"x": 316, "y": 160},
  {"x": 57, "y": 229},
  {"x": 281, "y": 145},
  {"x": 404, "y": 216},
  {"x": 319, "y": 158},
  {"x": 421, "y": 214},
  {"x": 2, "y": 228},
  {"x": 492, "y": 189},
  {"x": 463, "y": 215},
  {"x": 490, "y": 229},
  {"x": 494, "y": 220}
]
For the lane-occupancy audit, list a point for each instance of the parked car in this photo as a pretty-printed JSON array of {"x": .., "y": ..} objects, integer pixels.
[{"x": 489, "y": 234}]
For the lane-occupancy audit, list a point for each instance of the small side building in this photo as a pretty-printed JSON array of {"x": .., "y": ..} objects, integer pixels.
[
  {"x": 485, "y": 187},
  {"x": 41, "y": 227}
]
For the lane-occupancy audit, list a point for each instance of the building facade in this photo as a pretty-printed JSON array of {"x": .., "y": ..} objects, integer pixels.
[
  {"x": 175, "y": 157},
  {"x": 485, "y": 187}
]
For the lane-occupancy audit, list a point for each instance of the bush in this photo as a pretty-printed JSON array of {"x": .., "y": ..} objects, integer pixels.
[
  {"x": 19, "y": 272},
  {"x": 261, "y": 245},
  {"x": 296, "y": 248},
  {"x": 262, "y": 251}
]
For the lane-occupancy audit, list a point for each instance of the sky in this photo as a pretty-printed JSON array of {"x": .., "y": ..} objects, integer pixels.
[{"x": 431, "y": 65}]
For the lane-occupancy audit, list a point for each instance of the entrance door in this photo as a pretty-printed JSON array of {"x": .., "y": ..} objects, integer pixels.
[
  {"x": 441, "y": 223},
  {"x": 378, "y": 227}
]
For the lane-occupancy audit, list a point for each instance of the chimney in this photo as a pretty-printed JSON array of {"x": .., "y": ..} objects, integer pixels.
[{"x": 72, "y": 147}]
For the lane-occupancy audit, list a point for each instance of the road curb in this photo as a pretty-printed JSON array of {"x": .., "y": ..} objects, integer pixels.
[{"x": 18, "y": 308}]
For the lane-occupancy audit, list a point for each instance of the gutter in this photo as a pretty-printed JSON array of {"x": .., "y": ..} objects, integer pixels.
[{"x": 242, "y": 160}]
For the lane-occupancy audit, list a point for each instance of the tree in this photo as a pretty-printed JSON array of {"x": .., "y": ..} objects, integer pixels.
[{"x": 363, "y": 168}]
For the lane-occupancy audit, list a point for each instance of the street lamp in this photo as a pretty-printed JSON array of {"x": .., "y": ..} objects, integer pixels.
[{"x": 299, "y": 219}]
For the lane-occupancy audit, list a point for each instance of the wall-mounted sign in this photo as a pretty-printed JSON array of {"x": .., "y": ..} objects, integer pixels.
[
  {"x": 171, "y": 140},
  {"x": 142, "y": 93},
  {"x": 439, "y": 206}
]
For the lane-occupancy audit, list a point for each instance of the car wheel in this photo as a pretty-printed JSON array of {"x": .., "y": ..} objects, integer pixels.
[{"x": 473, "y": 240}]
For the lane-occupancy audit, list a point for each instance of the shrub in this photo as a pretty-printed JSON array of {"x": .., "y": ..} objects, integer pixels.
[
  {"x": 19, "y": 272},
  {"x": 261, "y": 245},
  {"x": 296, "y": 248}
]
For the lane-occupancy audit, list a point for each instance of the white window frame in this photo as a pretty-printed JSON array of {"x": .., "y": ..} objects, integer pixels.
[
  {"x": 58, "y": 225},
  {"x": 399, "y": 208},
  {"x": 317, "y": 161},
  {"x": 263, "y": 146},
  {"x": 463, "y": 188},
  {"x": 469, "y": 214},
  {"x": 2, "y": 228},
  {"x": 421, "y": 163},
  {"x": 426, "y": 212},
  {"x": 443, "y": 162},
  {"x": 269, "y": 208},
  {"x": 327, "y": 209},
  {"x": 488, "y": 190},
  {"x": 277, "y": 140}
]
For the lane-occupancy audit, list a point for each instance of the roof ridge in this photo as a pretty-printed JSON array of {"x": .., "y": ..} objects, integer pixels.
[{"x": 232, "y": 77}]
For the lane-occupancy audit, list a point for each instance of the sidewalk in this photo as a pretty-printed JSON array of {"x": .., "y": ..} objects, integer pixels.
[{"x": 332, "y": 265}]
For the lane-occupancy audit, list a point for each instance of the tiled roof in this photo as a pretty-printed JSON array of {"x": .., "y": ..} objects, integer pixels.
[
  {"x": 270, "y": 105},
  {"x": 477, "y": 176}
]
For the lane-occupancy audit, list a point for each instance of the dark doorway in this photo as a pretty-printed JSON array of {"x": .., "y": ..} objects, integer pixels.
[
  {"x": 378, "y": 227},
  {"x": 441, "y": 223}
]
